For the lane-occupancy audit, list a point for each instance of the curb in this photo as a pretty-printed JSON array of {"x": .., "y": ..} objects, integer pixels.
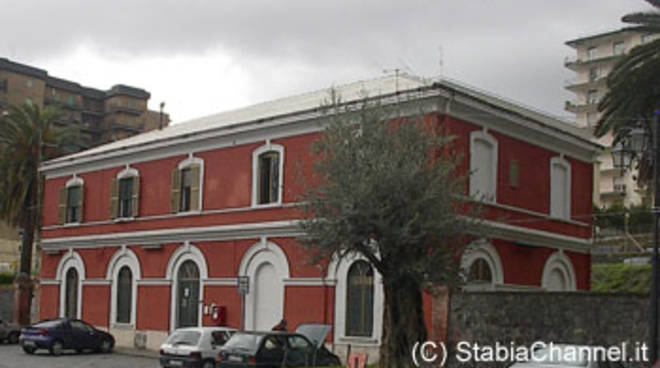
[{"x": 137, "y": 353}]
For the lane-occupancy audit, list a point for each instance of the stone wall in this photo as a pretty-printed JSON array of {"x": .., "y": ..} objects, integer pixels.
[
  {"x": 7, "y": 304},
  {"x": 523, "y": 318}
]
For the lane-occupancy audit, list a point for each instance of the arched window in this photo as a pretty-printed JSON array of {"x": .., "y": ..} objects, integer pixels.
[
  {"x": 269, "y": 172},
  {"x": 559, "y": 273},
  {"x": 125, "y": 194},
  {"x": 360, "y": 299},
  {"x": 71, "y": 294},
  {"x": 72, "y": 197},
  {"x": 188, "y": 294},
  {"x": 268, "y": 163},
  {"x": 480, "y": 272},
  {"x": 187, "y": 185},
  {"x": 560, "y": 188},
  {"x": 124, "y": 295},
  {"x": 483, "y": 166}
]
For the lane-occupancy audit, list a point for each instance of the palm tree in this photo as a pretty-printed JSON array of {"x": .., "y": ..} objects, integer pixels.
[
  {"x": 634, "y": 83},
  {"x": 28, "y": 135}
]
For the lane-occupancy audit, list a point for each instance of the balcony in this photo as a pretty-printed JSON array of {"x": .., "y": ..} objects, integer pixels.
[
  {"x": 576, "y": 108},
  {"x": 573, "y": 84},
  {"x": 573, "y": 63},
  {"x": 114, "y": 109},
  {"x": 125, "y": 126}
]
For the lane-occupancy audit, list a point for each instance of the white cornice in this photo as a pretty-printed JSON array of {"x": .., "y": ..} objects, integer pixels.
[
  {"x": 291, "y": 228},
  {"x": 192, "y": 234},
  {"x": 464, "y": 107}
]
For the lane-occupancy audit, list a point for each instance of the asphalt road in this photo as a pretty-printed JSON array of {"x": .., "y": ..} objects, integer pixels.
[{"x": 12, "y": 356}]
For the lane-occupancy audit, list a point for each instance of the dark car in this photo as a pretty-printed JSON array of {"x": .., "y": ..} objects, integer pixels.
[
  {"x": 304, "y": 348},
  {"x": 61, "y": 334}
]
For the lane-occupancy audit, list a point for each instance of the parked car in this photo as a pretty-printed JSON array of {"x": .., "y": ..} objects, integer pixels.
[
  {"x": 9, "y": 332},
  {"x": 568, "y": 356},
  {"x": 194, "y": 347},
  {"x": 304, "y": 348},
  {"x": 61, "y": 334}
]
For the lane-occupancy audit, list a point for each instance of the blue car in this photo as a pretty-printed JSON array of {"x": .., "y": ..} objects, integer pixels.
[{"x": 56, "y": 335}]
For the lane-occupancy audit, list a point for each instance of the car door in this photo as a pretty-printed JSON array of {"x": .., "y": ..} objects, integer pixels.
[
  {"x": 4, "y": 330},
  {"x": 271, "y": 352},
  {"x": 84, "y": 335},
  {"x": 300, "y": 352}
]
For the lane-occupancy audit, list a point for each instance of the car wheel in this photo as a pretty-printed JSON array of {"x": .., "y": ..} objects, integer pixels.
[
  {"x": 208, "y": 364},
  {"x": 28, "y": 349},
  {"x": 106, "y": 346},
  {"x": 13, "y": 338},
  {"x": 56, "y": 348}
]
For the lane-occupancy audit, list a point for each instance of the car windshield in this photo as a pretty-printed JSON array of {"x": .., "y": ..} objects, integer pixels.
[
  {"x": 48, "y": 324},
  {"x": 571, "y": 356},
  {"x": 241, "y": 341},
  {"x": 184, "y": 338}
]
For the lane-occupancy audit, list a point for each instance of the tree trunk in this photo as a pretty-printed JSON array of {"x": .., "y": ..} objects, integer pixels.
[
  {"x": 403, "y": 322},
  {"x": 24, "y": 287},
  {"x": 29, "y": 222}
]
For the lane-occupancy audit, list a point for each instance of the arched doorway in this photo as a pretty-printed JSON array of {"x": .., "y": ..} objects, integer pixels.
[
  {"x": 71, "y": 293},
  {"x": 188, "y": 285},
  {"x": 267, "y": 297}
]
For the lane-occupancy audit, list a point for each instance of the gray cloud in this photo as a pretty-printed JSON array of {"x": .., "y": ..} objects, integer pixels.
[{"x": 512, "y": 47}]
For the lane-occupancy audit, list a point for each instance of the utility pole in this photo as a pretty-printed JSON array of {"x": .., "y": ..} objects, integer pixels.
[
  {"x": 160, "y": 121},
  {"x": 656, "y": 230}
]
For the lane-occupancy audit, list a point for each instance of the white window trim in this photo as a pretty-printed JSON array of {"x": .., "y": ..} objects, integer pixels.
[
  {"x": 268, "y": 147},
  {"x": 128, "y": 172},
  {"x": 74, "y": 182},
  {"x": 485, "y": 136},
  {"x": 338, "y": 270},
  {"x": 260, "y": 253},
  {"x": 481, "y": 249},
  {"x": 184, "y": 253},
  {"x": 123, "y": 257},
  {"x": 559, "y": 261},
  {"x": 190, "y": 161},
  {"x": 561, "y": 161},
  {"x": 71, "y": 260}
]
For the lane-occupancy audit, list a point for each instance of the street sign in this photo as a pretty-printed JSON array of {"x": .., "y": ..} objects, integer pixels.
[{"x": 243, "y": 285}]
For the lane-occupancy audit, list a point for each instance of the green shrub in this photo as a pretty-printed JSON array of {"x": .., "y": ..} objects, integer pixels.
[
  {"x": 621, "y": 278},
  {"x": 6, "y": 278}
]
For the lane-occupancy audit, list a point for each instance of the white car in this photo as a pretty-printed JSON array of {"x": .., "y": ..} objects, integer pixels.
[
  {"x": 568, "y": 356},
  {"x": 9, "y": 332},
  {"x": 194, "y": 346}
]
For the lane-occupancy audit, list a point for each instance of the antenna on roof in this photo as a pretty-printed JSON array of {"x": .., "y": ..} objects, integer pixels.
[
  {"x": 441, "y": 61},
  {"x": 396, "y": 77}
]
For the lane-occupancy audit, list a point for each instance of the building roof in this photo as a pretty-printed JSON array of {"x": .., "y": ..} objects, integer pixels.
[
  {"x": 306, "y": 102},
  {"x": 603, "y": 35}
]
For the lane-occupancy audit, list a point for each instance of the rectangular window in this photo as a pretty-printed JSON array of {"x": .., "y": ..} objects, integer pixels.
[
  {"x": 591, "y": 53},
  {"x": 269, "y": 166},
  {"x": 126, "y": 197},
  {"x": 559, "y": 191},
  {"x": 592, "y": 96},
  {"x": 514, "y": 173},
  {"x": 483, "y": 170},
  {"x": 74, "y": 199},
  {"x": 647, "y": 38},
  {"x": 186, "y": 189},
  {"x": 618, "y": 48},
  {"x": 594, "y": 73}
]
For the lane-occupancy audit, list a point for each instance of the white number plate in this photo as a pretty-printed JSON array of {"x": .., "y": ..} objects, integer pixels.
[
  {"x": 176, "y": 363},
  {"x": 28, "y": 343},
  {"x": 235, "y": 358}
]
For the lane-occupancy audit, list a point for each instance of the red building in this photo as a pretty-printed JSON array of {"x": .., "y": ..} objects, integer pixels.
[{"x": 150, "y": 233}]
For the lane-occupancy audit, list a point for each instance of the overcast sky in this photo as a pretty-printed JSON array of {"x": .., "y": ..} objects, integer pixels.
[{"x": 203, "y": 57}]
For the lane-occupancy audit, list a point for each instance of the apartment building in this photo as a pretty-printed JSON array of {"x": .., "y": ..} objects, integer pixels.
[
  {"x": 102, "y": 116},
  {"x": 595, "y": 57}
]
